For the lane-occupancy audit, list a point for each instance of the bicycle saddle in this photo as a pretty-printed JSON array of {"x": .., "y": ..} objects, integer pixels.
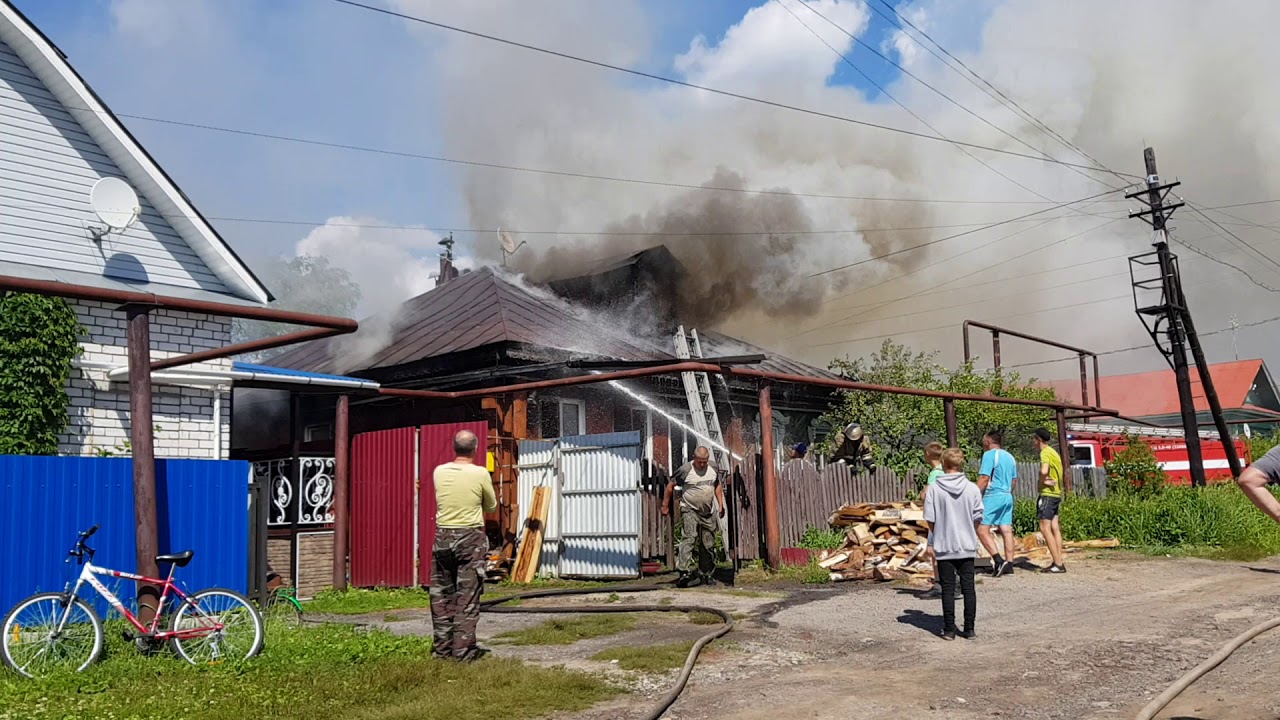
[{"x": 180, "y": 559}]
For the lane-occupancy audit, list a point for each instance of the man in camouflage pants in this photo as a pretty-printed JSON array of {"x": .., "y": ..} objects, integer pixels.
[
  {"x": 701, "y": 495},
  {"x": 464, "y": 492}
]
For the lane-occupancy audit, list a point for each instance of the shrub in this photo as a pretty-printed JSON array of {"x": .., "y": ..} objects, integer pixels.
[
  {"x": 819, "y": 539},
  {"x": 1135, "y": 470},
  {"x": 1218, "y": 516}
]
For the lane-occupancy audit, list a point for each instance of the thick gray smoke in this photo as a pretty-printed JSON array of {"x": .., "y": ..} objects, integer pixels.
[{"x": 1188, "y": 77}]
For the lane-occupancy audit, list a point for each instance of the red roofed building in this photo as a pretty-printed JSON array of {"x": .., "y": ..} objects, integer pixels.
[{"x": 1245, "y": 389}]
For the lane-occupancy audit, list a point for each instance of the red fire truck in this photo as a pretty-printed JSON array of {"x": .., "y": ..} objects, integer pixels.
[{"x": 1093, "y": 445}]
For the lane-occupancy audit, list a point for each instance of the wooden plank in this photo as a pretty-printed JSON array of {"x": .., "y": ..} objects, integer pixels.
[{"x": 531, "y": 548}]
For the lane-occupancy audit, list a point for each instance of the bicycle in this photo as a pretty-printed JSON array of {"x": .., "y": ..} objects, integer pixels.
[
  {"x": 52, "y": 632},
  {"x": 282, "y": 607}
]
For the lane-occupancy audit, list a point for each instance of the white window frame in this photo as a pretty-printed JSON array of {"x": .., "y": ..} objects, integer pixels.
[{"x": 581, "y": 405}]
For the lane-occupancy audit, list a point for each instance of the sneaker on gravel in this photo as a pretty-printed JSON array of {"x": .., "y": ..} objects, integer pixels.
[
  {"x": 1055, "y": 569},
  {"x": 948, "y": 634},
  {"x": 933, "y": 593},
  {"x": 1006, "y": 568},
  {"x": 968, "y": 634}
]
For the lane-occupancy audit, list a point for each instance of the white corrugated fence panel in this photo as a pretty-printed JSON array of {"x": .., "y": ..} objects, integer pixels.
[
  {"x": 600, "y": 505},
  {"x": 537, "y": 467}
]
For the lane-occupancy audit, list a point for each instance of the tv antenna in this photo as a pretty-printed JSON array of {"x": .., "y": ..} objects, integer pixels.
[
  {"x": 116, "y": 205},
  {"x": 509, "y": 246}
]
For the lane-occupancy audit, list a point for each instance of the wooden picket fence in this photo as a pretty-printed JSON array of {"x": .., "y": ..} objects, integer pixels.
[{"x": 807, "y": 495}]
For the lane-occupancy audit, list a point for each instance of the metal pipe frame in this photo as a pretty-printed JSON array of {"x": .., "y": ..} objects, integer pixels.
[
  {"x": 675, "y": 368},
  {"x": 997, "y": 331},
  {"x": 322, "y": 325}
]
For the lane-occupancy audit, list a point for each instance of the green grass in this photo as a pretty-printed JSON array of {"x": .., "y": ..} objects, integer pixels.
[
  {"x": 357, "y": 601},
  {"x": 566, "y": 631},
  {"x": 704, "y": 618},
  {"x": 1217, "y": 522},
  {"x": 648, "y": 659},
  {"x": 811, "y": 574},
  {"x": 315, "y": 672}
]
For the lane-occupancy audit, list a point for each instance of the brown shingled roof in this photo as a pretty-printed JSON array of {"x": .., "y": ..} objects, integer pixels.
[{"x": 477, "y": 309}]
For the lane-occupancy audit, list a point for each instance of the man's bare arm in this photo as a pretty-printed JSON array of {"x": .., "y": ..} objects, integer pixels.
[{"x": 1254, "y": 484}]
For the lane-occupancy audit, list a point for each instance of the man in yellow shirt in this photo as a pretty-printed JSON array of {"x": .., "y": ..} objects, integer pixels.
[
  {"x": 464, "y": 493},
  {"x": 1050, "y": 500}
]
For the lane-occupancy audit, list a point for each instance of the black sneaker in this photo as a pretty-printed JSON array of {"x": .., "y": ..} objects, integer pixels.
[
  {"x": 933, "y": 593},
  {"x": 948, "y": 634},
  {"x": 709, "y": 581},
  {"x": 683, "y": 581},
  {"x": 1006, "y": 568},
  {"x": 996, "y": 563},
  {"x": 1055, "y": 569},
  {"x": 968, "y": 634}
]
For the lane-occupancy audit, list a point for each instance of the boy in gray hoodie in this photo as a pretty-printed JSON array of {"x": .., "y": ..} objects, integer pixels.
[{"x": 953, "y": 509}]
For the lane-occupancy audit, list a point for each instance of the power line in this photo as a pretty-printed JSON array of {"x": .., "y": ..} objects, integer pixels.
[
  {"x": 525, "y": 169},
  {"x": 1247, "y": 244},
  {"x": 1003, "y": 317},
  {"x": 942, "y": 288},
  {"x": 1117, "y": 351},
  {"x": 957, "y": 235},
  {"x": 590, "y": 233},
  {"x": 1226, "y": 264},
  {"x": 902, "y": 105},
  {"x": 695, "y": 86},
  {"x": 935, "y": 90},
  {"x": 1003, "y": 98}
]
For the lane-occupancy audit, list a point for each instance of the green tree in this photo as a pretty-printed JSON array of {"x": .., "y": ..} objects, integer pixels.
[
  {"x": 304, "y": 283},
  {"x": 900, "y": 425},
  {"x": 39, "y": 339}
]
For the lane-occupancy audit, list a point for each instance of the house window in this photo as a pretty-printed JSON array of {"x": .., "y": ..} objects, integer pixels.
[
  {"x": 317, "y": 433},
  {"x": 573, "y": 419},
  {"x": 559, "y": 418}
]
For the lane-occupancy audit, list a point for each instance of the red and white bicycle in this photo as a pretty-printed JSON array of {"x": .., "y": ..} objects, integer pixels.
[{"x": 53, "y": 632}]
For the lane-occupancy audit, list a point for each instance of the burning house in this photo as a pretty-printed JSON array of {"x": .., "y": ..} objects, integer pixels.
[{"x": 488, "y": 328}]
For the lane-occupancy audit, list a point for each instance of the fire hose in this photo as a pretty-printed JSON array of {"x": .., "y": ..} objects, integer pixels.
[
  {"x": 496, "y": 606},
  {"x": 1163, "y": 699}
]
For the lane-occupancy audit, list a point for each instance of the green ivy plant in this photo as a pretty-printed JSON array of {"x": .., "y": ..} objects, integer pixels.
[{"x": 39, "y": 339}]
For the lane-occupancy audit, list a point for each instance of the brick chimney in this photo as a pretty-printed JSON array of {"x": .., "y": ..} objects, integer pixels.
[{"x": 447, "y": 270}]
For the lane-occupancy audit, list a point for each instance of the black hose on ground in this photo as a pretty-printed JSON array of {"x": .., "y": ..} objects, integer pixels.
[{"x": 495, "y": 606}]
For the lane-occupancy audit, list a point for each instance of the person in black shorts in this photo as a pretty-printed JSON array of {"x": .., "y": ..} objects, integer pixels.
[{"x": 1255, "y": 478}]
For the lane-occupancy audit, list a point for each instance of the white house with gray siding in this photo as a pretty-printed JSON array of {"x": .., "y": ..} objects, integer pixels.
[{"x": 57, "y": 138}]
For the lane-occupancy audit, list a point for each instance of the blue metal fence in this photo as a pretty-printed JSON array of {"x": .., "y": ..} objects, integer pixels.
[{"x": 45, "y": 501}]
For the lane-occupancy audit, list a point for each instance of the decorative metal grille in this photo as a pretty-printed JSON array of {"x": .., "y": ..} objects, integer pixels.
[{"x": 310, "y": 504}]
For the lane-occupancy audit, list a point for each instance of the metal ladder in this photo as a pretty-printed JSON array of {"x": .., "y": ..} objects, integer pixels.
[
  {"x": 697, "y": 388},
  {"x": 1137, "y": 431}
]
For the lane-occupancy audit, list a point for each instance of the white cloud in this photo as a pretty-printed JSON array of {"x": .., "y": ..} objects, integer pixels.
[{"x": 390, "y": 265}]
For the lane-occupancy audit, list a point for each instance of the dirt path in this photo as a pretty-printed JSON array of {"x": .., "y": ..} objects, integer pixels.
[{"x": 1096, "y": 643}]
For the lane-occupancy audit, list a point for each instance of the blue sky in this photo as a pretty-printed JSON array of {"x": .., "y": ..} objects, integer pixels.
[{"x": 316, "y": 70}]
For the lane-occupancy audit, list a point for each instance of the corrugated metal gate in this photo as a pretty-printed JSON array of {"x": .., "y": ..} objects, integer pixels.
[
  {"x": 593, "y": 527},
  {"x": 393, "y": 502}
]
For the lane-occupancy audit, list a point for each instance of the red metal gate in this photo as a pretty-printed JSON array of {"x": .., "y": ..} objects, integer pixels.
[
  {"x": 386, "y": 467},
  {"x": 382, "y": 501}
]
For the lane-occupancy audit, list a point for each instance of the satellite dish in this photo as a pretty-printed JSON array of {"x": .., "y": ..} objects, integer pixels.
[
  {"x": 115, "y": 204},
  {"x": 508, "y": 243}
]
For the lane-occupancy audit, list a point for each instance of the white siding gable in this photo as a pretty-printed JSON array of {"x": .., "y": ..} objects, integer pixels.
[{"x": 48, "y": 163}]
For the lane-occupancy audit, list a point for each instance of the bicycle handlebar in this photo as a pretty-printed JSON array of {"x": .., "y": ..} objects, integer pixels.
[{"x": 79, "y": 549}]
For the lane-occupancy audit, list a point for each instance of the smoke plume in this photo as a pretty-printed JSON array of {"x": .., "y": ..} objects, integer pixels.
[{"x": 1110, "y": 77}]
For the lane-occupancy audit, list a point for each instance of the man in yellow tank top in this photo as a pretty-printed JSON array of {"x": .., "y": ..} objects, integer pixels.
[{"x": 464, "y": 493}]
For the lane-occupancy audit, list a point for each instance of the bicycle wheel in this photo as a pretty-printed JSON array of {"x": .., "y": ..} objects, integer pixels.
[
  {"x": 217, "y": 625},
  {"x": 283, "y": 611},
  {"x": 33, "y": 645}
]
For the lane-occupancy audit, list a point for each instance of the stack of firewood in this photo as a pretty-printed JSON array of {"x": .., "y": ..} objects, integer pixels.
[
  {"x": 887, "y": 541},
  {"x": 883, "y": 541}
]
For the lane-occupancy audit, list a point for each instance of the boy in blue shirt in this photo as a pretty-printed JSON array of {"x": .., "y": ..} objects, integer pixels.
[{"x": 995, "y": 480}]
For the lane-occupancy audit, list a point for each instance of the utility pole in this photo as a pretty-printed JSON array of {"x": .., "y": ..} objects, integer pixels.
[
  {"x": 1169, "y": 320},
  {"x": 1235, "y": 349}
]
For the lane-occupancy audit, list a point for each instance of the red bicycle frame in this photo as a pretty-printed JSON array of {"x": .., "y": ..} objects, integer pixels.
[{"x": 88, "y": 573}]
